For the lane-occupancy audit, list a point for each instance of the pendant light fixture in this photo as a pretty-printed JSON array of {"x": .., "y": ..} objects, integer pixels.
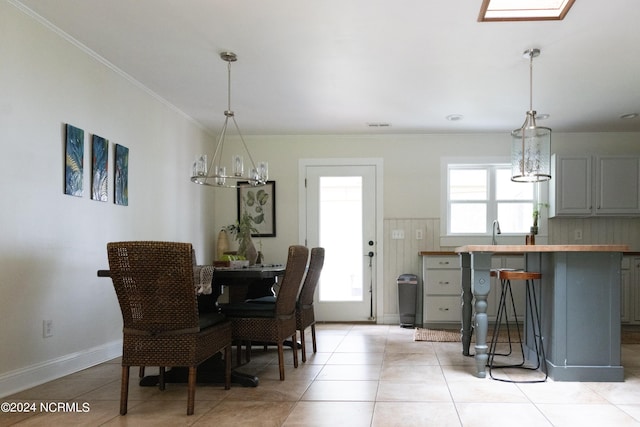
[
  {"x": 215, "y": 173},
  {"x": 531, "y": 144}
]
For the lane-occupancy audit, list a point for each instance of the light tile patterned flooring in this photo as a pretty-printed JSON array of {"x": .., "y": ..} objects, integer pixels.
[{"x": 363, "y": 375}]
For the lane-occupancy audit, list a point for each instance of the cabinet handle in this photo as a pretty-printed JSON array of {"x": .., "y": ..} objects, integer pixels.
[
  {"x": 443, "y": 309},
  {"x": 443, "y": 262},
  {"x": 443, "y": 283}
]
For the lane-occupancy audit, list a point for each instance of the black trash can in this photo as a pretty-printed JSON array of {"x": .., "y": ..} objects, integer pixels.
[{"x": 407, "y": 295}]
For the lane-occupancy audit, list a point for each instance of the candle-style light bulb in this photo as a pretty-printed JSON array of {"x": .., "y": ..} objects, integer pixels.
[
  {"x": 263, "y": 171},
  {"x": 220, "y": 178},
  {"x": 238, "y": 165}
]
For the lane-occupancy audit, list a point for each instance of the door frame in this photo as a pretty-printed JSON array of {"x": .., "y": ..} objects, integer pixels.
[{"x": 377, "y": 163}]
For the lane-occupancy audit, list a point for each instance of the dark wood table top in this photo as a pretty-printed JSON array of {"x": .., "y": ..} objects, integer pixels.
[{"x": 253, "y": 272}]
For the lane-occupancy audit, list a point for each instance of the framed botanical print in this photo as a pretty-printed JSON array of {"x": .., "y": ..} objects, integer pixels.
[{"x": 260, "y": 204}]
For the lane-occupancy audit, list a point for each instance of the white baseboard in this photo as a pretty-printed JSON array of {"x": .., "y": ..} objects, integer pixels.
[
  {"x": 391, "y": 319},
  {"x": 24, "y": 378}
]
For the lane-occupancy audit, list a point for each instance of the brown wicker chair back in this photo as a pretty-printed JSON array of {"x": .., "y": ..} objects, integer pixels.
[
  {"x": 305, "y": 315},
  {"x": 316, "y": 262},
  {"x": 157, "y": 296},
  {"x": 292, "y": 281},
  {"x": 154, "y": 285}
]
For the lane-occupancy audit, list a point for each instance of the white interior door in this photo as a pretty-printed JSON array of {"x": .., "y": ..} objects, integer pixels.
[{"x": 340, "y": 215}]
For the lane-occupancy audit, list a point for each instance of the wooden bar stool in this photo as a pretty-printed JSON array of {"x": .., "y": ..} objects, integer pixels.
[{"x": 533, "y": 315}]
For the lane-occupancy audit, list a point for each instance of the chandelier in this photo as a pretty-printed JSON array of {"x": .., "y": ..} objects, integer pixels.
[
  {"x": 531, "y": 144},
  {"x": 215, "y": 173}
]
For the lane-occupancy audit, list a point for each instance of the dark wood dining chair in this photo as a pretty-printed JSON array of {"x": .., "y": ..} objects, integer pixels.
[
  {"x": 305, "y": 316},
  {"x": 272, "y": 323},
  {"x": 155, "y": 288}
]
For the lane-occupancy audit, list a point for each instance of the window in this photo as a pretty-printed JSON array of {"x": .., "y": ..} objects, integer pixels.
[
  {"x": 478, "y": 194},
  {"x": 524, "y": 10}
]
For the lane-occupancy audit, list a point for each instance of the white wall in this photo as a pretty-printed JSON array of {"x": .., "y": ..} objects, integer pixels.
[
  {"x": 52, "y": 244},
  {"x": 411, "y": 169}
]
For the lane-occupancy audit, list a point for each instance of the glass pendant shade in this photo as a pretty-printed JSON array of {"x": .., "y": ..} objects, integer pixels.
[{"x": 531, "y": 152}]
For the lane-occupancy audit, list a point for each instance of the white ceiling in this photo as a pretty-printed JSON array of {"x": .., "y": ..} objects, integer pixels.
[{"x": 332, "y": 66}]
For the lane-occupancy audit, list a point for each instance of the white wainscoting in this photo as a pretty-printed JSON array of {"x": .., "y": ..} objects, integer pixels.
[
  {"x": 596, "y": 231},
  {"x": 401, "y": 256}
]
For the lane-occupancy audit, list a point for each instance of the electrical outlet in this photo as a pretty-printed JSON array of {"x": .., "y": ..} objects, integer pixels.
[
  {"x": 577, "y": 234},
  {"x": 419, "y": 234},
  {"x": 47, "y": 328},
  {"x": 397, "y": 234}
]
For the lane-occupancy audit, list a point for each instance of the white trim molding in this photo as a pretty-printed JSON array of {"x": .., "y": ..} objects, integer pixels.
[{"x": 40, "y": 373}]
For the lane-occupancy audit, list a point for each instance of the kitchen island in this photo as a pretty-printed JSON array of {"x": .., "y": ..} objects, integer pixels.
[{"x": 579, "y": 300}]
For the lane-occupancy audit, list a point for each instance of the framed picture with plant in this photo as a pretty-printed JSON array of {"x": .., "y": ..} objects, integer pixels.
[{"x": 259, "y": 203}]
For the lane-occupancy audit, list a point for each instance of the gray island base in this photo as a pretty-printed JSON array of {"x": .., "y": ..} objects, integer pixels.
[{"x": 579, "y": 298}]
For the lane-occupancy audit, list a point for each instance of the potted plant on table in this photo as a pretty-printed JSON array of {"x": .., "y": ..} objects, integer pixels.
[
  {"x": 536, "y": 216},
  {"x": 242, "y": 230}
]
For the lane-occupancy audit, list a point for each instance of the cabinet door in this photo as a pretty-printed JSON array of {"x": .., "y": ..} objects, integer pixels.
[
  {"x": 625, "y": 288},
  {"x": 443, "y": 282},
  {"x": 634, "y": 290},
  {"x": 618, "y": 185},
  {"x": 571, "y": 194},
  {"x": 443, "y": 309}
]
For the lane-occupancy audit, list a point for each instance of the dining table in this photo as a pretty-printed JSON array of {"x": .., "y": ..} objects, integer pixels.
[
  {"x": 579, "y": 300},
  {"x": 242, "y": 283}
]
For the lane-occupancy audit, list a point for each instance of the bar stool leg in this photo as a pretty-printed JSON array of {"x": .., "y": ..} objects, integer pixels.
[
  {"x": 502, "y": 313},
  {"x": 533, "y": 318},
  {"x": 536, "y": 330},
  {"x": 496, "y": 329}
]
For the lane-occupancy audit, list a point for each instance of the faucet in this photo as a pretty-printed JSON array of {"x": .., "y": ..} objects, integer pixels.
[{"x": 495, "y": 229}]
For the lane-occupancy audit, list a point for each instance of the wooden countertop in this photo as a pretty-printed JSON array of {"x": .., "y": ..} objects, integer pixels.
[
  {"x": 541, "y": 248},
  {"x": 426, "y": 253}
]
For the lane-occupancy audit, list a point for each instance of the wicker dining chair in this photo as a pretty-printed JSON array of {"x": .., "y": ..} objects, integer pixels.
[
  {"x": 272, "y": 323},
  {"x": 305, "y": 315},
  {"x": 155, "y": 288}
]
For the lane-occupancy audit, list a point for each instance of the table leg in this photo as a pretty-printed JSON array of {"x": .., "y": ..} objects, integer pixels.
[
  {"x": 467, "y": 298},
  {"x": 480, "y": 287}
]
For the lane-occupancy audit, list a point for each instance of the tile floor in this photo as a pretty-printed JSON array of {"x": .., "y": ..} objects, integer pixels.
[{"x": 363, "y": 375}]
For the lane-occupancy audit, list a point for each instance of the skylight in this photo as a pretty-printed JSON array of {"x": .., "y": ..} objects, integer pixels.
[{"x": 524, "y": 10}]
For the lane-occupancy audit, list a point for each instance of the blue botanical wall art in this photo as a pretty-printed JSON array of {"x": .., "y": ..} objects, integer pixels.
[
  {"x": 74, "y": 161},
  {"x": 99, "y": 173},
  {"x": 121, "y": 179}
]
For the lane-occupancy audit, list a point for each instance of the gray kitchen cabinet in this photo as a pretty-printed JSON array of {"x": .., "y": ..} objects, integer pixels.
[
  {"x": 585, "y": 185},
  {"x": 442, "y": 289}
]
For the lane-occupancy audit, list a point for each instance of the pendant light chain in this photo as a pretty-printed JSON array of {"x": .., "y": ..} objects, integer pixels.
[
  {"x": 531, "y": 81},
  {"x": 229, "y": 88}
]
